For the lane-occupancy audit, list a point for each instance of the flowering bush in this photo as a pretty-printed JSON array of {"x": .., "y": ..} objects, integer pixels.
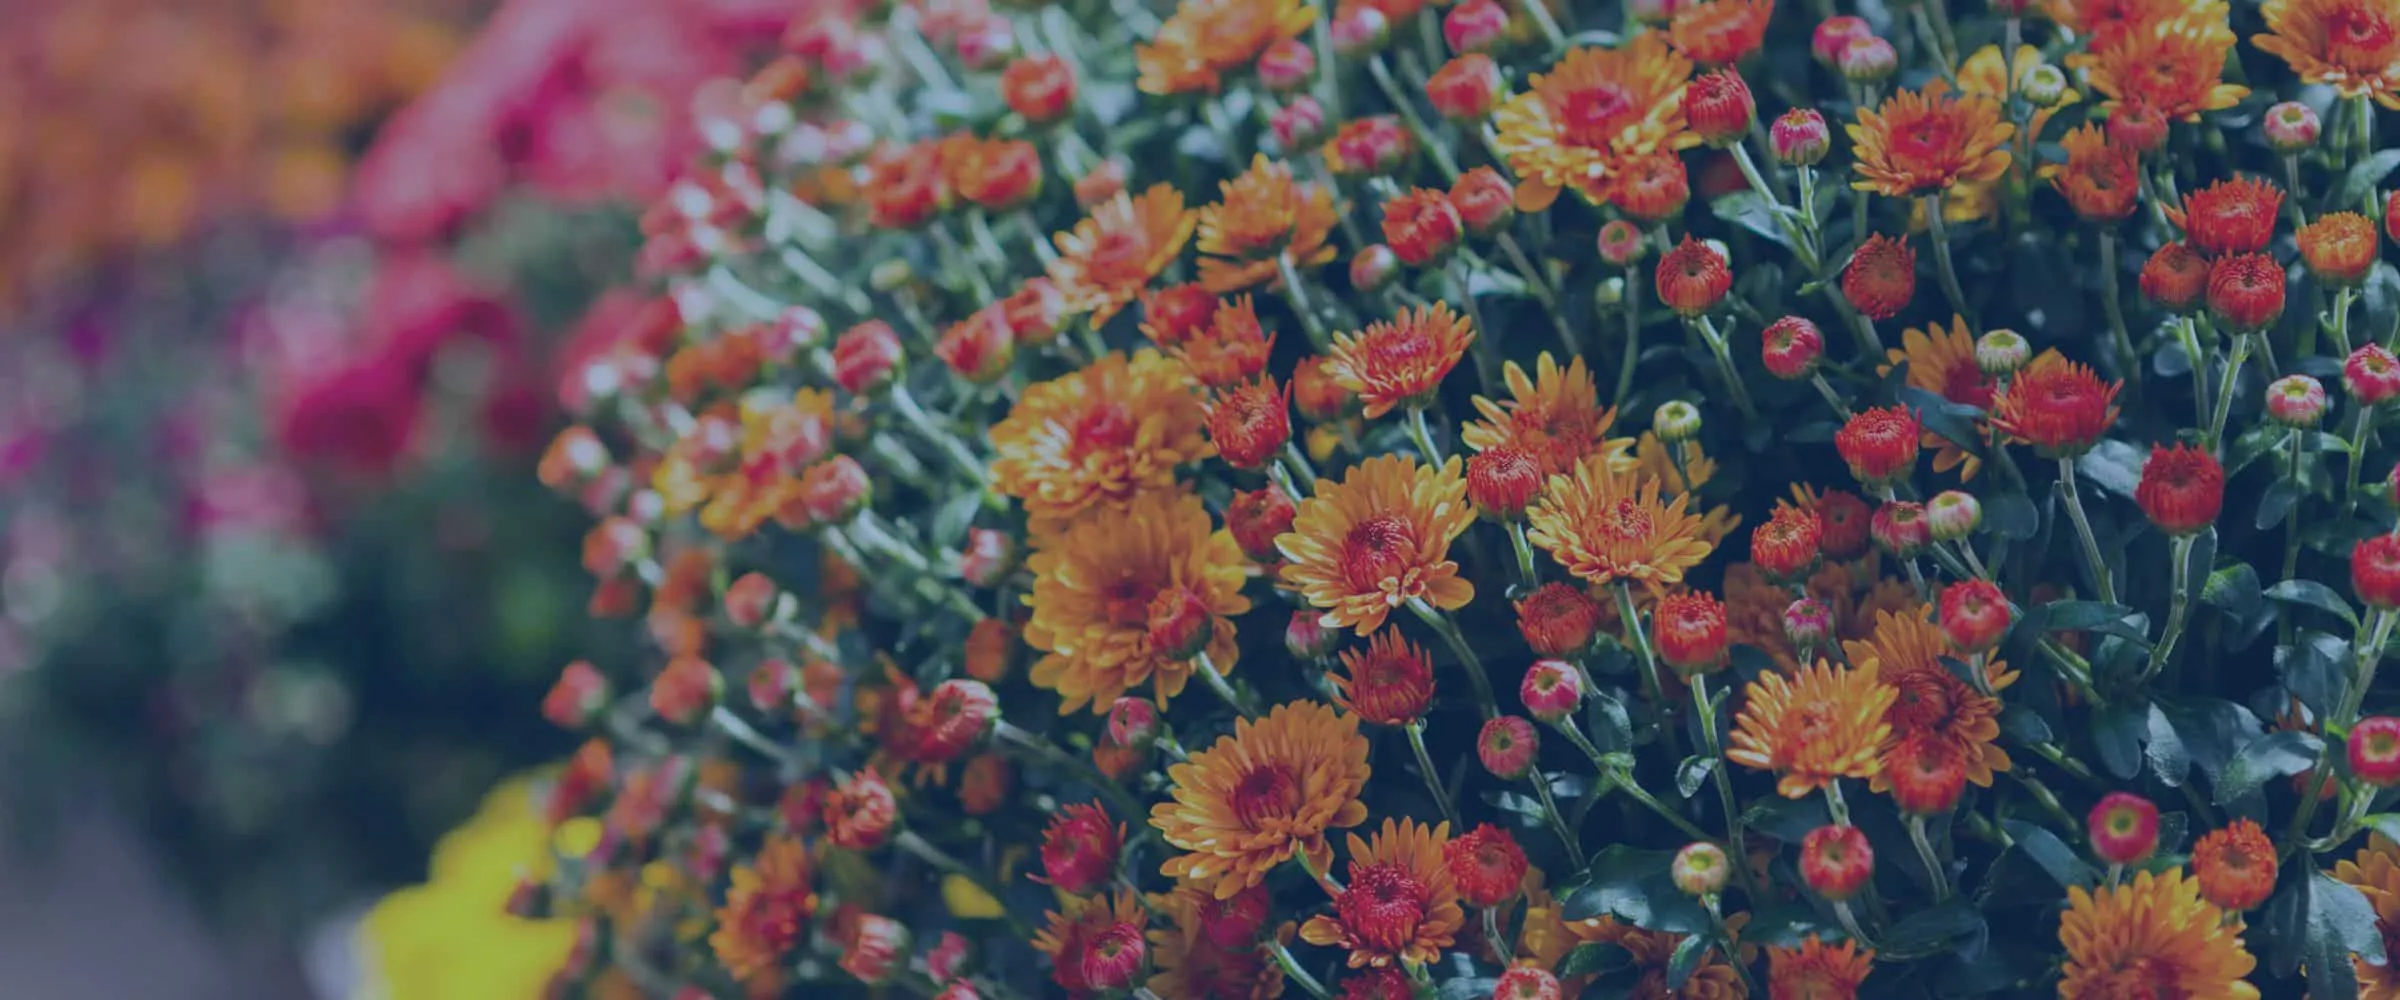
[{"x": 1218, "y": 493}]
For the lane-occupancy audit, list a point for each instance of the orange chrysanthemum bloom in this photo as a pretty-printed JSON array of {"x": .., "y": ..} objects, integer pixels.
[
  {"x": 1922, "y": 142},
  {"x": 1379, "y": 539},
  {"x": 1098, "y": 437},
  {"x": 2352, "y": 46},
  {"x": 1595, "y": 108},
  {"x": 1401, "y": 902},
  {"x": 1816, "y": 972},
  {"x": 1400, "y": 361},
  {"x": 1606, "y": 524},
  {"x": 1069, "y": 936},
  {"x": 2105, "y": 20},
  {"x": 2174, "y": 67},
  {"x": 2231, "y": 216},
  {"x": 2101, "y": 180},
  {"x": 1906, "y": 651},
  {"x": 1233, "y": 348},
  {"x": 1187, "y": 960},
  {"x": 2056, "y": 405},
  {"x": 1096, "y": 582},
  {"x": 1114, "y": 253},
  {"x": 2339, "y": 247},
  {"x": 1262, "y": 214},
  {"x": 2375, "y": 871},
  {"x": 1261, "y": 795},
  {"x": 2235, "y": 865},
  {"x": 2150, "y": 936},
  {"x": 1818, "y": 726},
  {"x": 1720, "y": 32},
  {"x": 766, "y": 909},
  {"x": 1555, "y": 416},
  {"x": 1205, "y": 39},
  {"x": 1389, "y": 683},
  {"x": 1942, "y": 361}
]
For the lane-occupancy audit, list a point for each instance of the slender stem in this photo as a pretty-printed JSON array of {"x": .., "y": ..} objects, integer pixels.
[
  {"x": 1633, "y": 329},
  {"x": 1539, "y": 11},
  {"x": 1631, "y": 618},
  {"x": 1300, "y": 470},
  {"x": 1431, "y": 144},
  {"x": 1049, "y": 756},
  {"x": 2179, "y": 557},
  {"x": 2111, "y": 304},
  {"x": 1292, "y": 969},
  {"x": 1296, "y": 292},
  {"x": 1932, "y": 861},
  {"x": 1502, "y": 948},
  {"x": 910, "y": 843},
  {"x": 1033, "y": 236},
  {"x": 963, "y": 460},
  {"x": 1715, "y": 747},
  {"x": 1940, "y": 238},
  {"x": 1758, "y": 181},
  {"x": 2083, "y": 531},
  {"x": 1832, "y": 398},
  {"x": 1539, "y": 284},
  {"x": 1558, "y": 820},
  {"x": 1486, "y": 344},
  {"x": 2214, "y": 438},
  {"x": 1634, "y": 788},
  {"x": 1207, "y": 669},
  {"x": 1422, "y": 436},
  {"x": 1440, "y": 622},
  {"x": 1835, "y": 805},
  {"x": 1433, "y": 780},
  {"x": 1528, "y": 576},
  {"x": 2358, "y": 456},
  {"x": 2342, "y": 297},
  {"x": 740, "y": 731},
  {"x": 1733, "y": 378},
  {"x": 2187, "y": 333}
]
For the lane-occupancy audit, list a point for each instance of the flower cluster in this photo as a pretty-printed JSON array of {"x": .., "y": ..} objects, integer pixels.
[{"x": 1229, "y": 623}]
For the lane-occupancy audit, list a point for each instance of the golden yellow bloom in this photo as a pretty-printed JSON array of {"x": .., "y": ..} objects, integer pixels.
[
  {"x": 1400, "y": 361},
  {"x": 2151, "y": 936},
  {"x": 1652, "y": 460},
  {"x": 1820, "y": 725},
  {"x": 1555, "y": 416},
  {"x": 1401, "y": 902},
  {"x": 1595, "y": 109},
  {"x": 1095, "y": 585},
  {"x": 2351, "y": 45},
  {"x": 1186, "y": 962},
  {"x": 1268, "y": 791},
  {"x": 1606, "y": 524},
  {"x": 2173, "y": 67},
  {"x": 1114, "y": 253},
  {"x": 1906, "y": 651},
  {"x": 1205, "y": 39},
  {"x": 2105, "y": 20},
  {"x": 766, "y": 909},
  {"x": 1379, "y": 539},
  {"x": 2376, "y": 873},
  {"x": 1260, "y": 215},
  {"x": 1098, "y": 437},
  {"x": 1985, "y": 74},
  {"x": 1923, "y": 142},
  {"x": 450, "y": 936}
]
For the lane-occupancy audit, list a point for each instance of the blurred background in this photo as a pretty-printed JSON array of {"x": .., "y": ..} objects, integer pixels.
[{"x": 286, "y": 287}]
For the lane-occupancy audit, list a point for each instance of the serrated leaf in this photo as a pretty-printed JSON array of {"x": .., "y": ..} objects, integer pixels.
[
  {"x": 2275, "y": 755},
  {"x": 1749, "y": 211},
  {"x": 2052, "y": 854},
  {"x": 2212, "y": 731},
  {"x": 2312, "y": 594}
]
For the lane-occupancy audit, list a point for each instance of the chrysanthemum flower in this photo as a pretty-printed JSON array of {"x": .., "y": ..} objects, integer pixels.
[
  {"x": 2056, "y": 405},
  {"x": 906, "y": 185},
  {"x": 1555, "y": 416},
  {"x": 2104, "y": 20},
  {"x": 1906, "y": 652},
  {"x": 1881, "y": 277},
  {"x": 766, "y": 909},
  {"x": 1692, "y": 277},
  {"x": 1400, "y": 361},
  {"x": 2101, "y": 180},
  {"x": 1719, "y": 32},
  {"x": 1922, "y": 142},
  {"x": 1401, "y": 903},
  {"x": 1942, "y": 361},
  {"x": 1593, "y": 109},
  {"x": 1814, "y": 971},
  {"x": 1230, "y": 349},
  {"x": 2339, "y": 247},
  {"x": 2229, "y": 216},
  {"x": 1379, "y": 539},
  {"x": 1070, "y": 937},
  {"x": 1605, "y": 524},
  {"x": 1179, "y": 313},
  {"x": 2181, "y": 490},
  {"x": 2352, "y": 46},
  {"x": 1421, "y": 226},
  {"x": 2235, "y": 866},
  {"x": 1114, "y": 253},
  {"x": 2152, "y": 934},
  {"x": 1656, "y": 459},
  {"x": 1188, "y": 960},
  {"x": 1096, "y": 581},
  {"x": 1261, "y": 795},
  {"x": 996, "y": 174},
  {"x": 1651, "y": 187},
  {"x": 2175, "y": 277},
  {"x": 1815, "y": 727},
  {"x": 1250, "y": 423},
  {"x": 1205, "y": 39},
  {"x": 1487, "y": 865},
  {"x": 1260, "y": 215},
  {"x": 1881, "y": 443},
  {"x": 1787, "y": 545},
  {"x": 2173, "y": 68},
  {"x": 2246, "y": 291},
  {"x": 1389, "y": 683},
  {"x": 2375, "y": 870},
  {"x": 1097, "y": 437}
]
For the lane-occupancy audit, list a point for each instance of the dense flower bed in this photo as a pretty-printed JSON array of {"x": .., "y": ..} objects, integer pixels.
[{"x": 1389, "y": 500}]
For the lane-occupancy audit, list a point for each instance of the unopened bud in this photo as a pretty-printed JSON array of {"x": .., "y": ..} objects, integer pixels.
[
  {"x": 1953, "y": 515},
  {"x": 1676, "y": 421},
  {"x": 2001, "y": 352}
]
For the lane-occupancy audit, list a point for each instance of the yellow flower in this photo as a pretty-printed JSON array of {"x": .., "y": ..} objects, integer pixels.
[
  {"x": 1401, "y": 903},
  {"x": 1596, "y": 109},
  {"x": 1379, "y": 539},
  {"x": 450, "y": 938},
  {"x": 1924, "y": 142},
  {"x": 1261, "y": 215},
  {"x": 1263, "y": 794},
  {"x": 2351, "y": 45},
  {"x": 1818, "y": 726},
  {"x": 1098, "y": 437},
  {"x": 1555, "y": 416},
  {"x": 2171, "y": 66},
  {"x": 1652, "y": 460},
  {"x": 2150, "y": 936},
  {"x": 1095, "y": 586},
  {"x": 1606, "y": 524}
]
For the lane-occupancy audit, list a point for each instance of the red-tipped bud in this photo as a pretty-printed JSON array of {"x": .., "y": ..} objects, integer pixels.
[
  {"x": 1975, "y": 615},
  {"x": 1620, "y": 242},
  {"x": 2175, "y": 278},
  {"x": 1899, "y": 528},
  {"x": 1256, "y": 517},
  {"x": 1307, "y": 638},
  {"x": 1040, "y": 88},
  {"x": 1718, "y": 107},
  {"x": 771, "y": 685},
  {"x": 1134, "y": 722},
  {"x": 1299, "y": 125},
  {"x": 1180, "y": 623},
  {"x": 1527, "y": 982},
  {"x": 2181, "y": 490},
  {"x": 2296, "y": 401},
  {"x": 1250, "y": 423},
  {"x": 1558, "y": 620},
  {"x": 1552, "y": 690},
  {"x": 1689, "y": 631},
  {"x": 2375, "y": 571},
  {"x": 1836, "y": 861},
  {"x": 1485, "y": 201},
  {"x": 1927, "y": 773},
  {"x": 1422, "y": 227},
  {"x": 749, "y": 600},
  {"x": 1507, "y": 746},
  {"x": 2374, "y": 749},
  {"x": 1287, "y": 65},
  {"x": 2123, "y": 828},
  {"x": 1487, "y": 865},
  {"x": 834, "y": 490},
  {"x": 1503, "y": 482},
  {"x": 686, "y": 690},
  {"x": 1868, "y": 59},
  {"x": 1079, "y": 849},
  {"x": 1373, "y": 267},
  {"x": 986, "y": 557},
  {"x": 1466, "y": 89},
  {"x": 1880, "y": 444},
  {"x": 1808, "y": 623},
  {"x": 1800, "y": 138},
  {"x": 577, "y": 697},
  {"x": 1952, "y": 515},
  {"x": 2372, "y": 375},
  {"x": 1475, "y": 26},
  {"x": 1833, "y": 34},
  {"x": 865, "y": 356}
]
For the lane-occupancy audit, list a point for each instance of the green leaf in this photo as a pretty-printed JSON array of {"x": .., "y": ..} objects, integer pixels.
[
  {"x": 1634, "y": 885},
  {"x": 1930, "y": 931},
  {"x": 2387, "y": 824},
  {"x": 2051, "y": 853},
  {"x": 2212, "y": 731},
  {"x": 2276, "y": 502},
  {"x": 2313, "y": 594},
  {"x": 2253, "y": 444},
  {"x": 2024, "y": 724},
  {"x": 1612, "y": 726},
  {"x": 2114, "y": 465},
  {"x": 2315, "y": 669},
  {"x": 1594, "y": 958},
  {"x": 1787, "y": 820},
  {"x": 1749, "y": 211},
  {"x": 2082, "y": 616},
  {"x": 2235, "y": 589},
  {"x": 2164, "y": 748},
  {"x": 2117, "y": 733},
  {"x": 2272, "y": 756},
  {"x": 1783, "y": 925},
  {"x": 1688, "y": 953},
  {"x": 2318, "y": 922},
  {"x": 1955, "y": 422},
  {"x": 2364, "y": 176},
  {"x": 2012, "y": 515},
  {"x": 1693, "y": 773}
]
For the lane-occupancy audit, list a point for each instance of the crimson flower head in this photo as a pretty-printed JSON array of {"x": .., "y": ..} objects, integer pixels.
[
  {"x": 2181, "y": 490},
  {"x": 1880, "y": 444},
  {"x": 1652, "y": 188},
  {"x": 950, "y": 720},
  {"x": 1693, "y": 278},
  {"x": 1552, "y": 690},
  {"x": 2338, "y": 248},
  {"x": 1882, "y": 276},
  {"x": 1833, "y": 34},
  {"x": 979, "y": 348},
  {"x": 2230, "y": 216},
  {"x": 1790, "y": 347},
  {"x": 1251, "y": 422},
  {"x": 1507, "y": 746},
  {"x": 1370, "y": 147},
  {"x": 1255, "y": 517},
  {"x": 1690, "y": 632},
  {"x": 748, "y": 599},
  {"x": 1484, "y": 200},
  {"x": 1558, "y": 619},
  {"x": 2245, "y": 291},
  {"x": 1180, "y": 623},
  {"x": 1843, "y": 518},
  {"x": 685, "y": 690},
  {"x": 2372, "y": 375},
  {"x": 1800, "y": 138},
  {"x": 1399, "y": 362},
  {"x": 1527, "y": 982},
  {"x": 577, "y": 697},
  {"x": 2175, "y": 278},
  {"x": 1421, "y": 226},
  {"x": 2374, "y": 750},
  {"x": 1390, "y": 683},
  {"x": 864, "y": 357},
  {"x": 2123, "y": 828},
  {"x": 1927, "y": 772},
  {"x": 1079, "y": 849},
  {"x": 1466, "y": 89},
  {"x": 1786, "y": 547},
  {"x": 1475, "y": 25},
  {"x": 2375, "y": 571},
  {"x": 1975, "y": 615},
  {"x": 1901, "y": 528},
  {"x": 1041, "y": 88},
  {"x": 1503, "y": 481},
  {"x": 1718, "y": 107},
  {"x": 834, "y": 490},
  {"x": 1174, "y": 315},
  {"x": 1487, "y": 865},
  {"x": 1836, "y": 861},
  {"x": 2059, "y": 407}
]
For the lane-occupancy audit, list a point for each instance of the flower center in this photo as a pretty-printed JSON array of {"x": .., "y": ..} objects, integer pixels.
[
  {"x": 2359, "y": 38},
  {"x": 2144, "y": 978},
  {"x": 1405, "y": 347},
  {"x": 1269, "y": 792},
  {"x": 1378, "y": 551},
  {"x": 1383, "y": 906},
  {"x": 1591, "y": 114},
  {"x": 1105, "y": 427},
  {"x": 1925, "y": 702},
  {"x": 1127, "y": 602},
  {"x": 1625, "y": 521}
]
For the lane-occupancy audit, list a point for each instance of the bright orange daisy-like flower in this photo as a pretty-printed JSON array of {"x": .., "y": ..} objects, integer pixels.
[
  {"x": 1819, "y": 725},
  {"x": 2150, "y": 936},
  {"x": 2056, "y": 405},
  {"x": 2352, "y": 46},
  {"x": 1922, "y": 142},
  {"x": 1232, "y": 349},
  {"x": 1400, "y": 361},
  {"x": 2235, "y": 866},
  {"x": 1261, "y": 215},
  {"x": 1814, "y": 971},
  {"x": 1188, "y": 960},
  {"x": 1595, "y": 108},
  {"x": 2229, "y": 216},
  {"x": 1720, "y": 32},
  {"x": 1205, "y": 39},
  {"x": 1096, "y": 588},
  {"x": 2339, "y": 247},
  {"x": 1942, "y": 361},
  {"x": 1114, "y": 253},
  {"x": 2106, "y": 20},
  {"x": 1401, "y": 903},
  {"x": 766, "y": 909},
  {"x": 1606, "y": 524},
  {"x": 1263, "y": 794},
  {"x": 1554, "y": 416},
  {"x": 1379, "y": 539},
  {"x": 1906, "y": 650},
  {"x": 2376, "y": 872},
  {"x": 2174, "y": 68},
  {"x": 2101, "y": 179},
  {"x": 1098, "y": 436}
]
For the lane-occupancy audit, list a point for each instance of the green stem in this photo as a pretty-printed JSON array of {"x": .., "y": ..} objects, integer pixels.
[
  {"x": 1539, "y": 12},
  {"x": 2358, "y": 456},
  {"x": 1715, "y": 747},
  {"x": 961, "y": 459},
  {"x": 1292, "y": 969},
  {"x": 1631, "y": 618},
  {"x": 2187, "y": 333},
  {"x": 1486, "y": 344},
  {"x": 1931, "y": 860},
  {"x": 1528, "y": 577},
  {"x": 1430, "y": 144},
  {"x": 1558, "y": 820},
  {"x": 1435, "y": 619},
  {"x": 2214, "y": 438},
  {"x": 1008, "y": 735},
  {"x": 1539, "y": 284},
  {"x": 1295, "y": 292},
  {"x": 1422, "y": 436},
  {"x": 1939, "y": 234},
  {"x": 2083, "y": 531},
  {"x": 1633, "y": 330},
  {"x": 2179, "y": 557},
  {"x": 2111, "y": 304},
  {"x": 1433, "y": 780},
  {"x": 1297, "y": 466},
  {"x": 1207, "y": 669},
  {"x": 1733, "y": 378}
]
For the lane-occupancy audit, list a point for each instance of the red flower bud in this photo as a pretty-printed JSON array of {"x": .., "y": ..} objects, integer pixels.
[
  {"x": 577, "y": 697},
  {"x": 1486, "y": 864},
  {"x": 1790, "y": 348},
  {"x": 1421, "y": 226},
  {"x": 1373, "y": 267},
  {"x": 1390, "y": 683},
  {"x": 1558, "y": 620},
  {"x": 877, "y": 944},
  {"x": 2245, "y": 291},
  {"x": 1807, "y": 622},
  {"x": 1975, "y": 615},
  {"x": 1788, "y": 545},
  {"x": 772, "y": 684},
  {"x": 1036, "y": 312},
  {"x": 685, "y": 690},
  {"x": 1475, "y": 25},
  {"x": 1552, "y": 690},
  {"x": 1880, "y": 444},
  {"x": 2175, "y": 278},
  {"x": 1180, "y": 623},
  {"x": 1485, "y": 201},
  {"x": 1173, "y": 315},
  {"x": 1370, "y": 147},
  {"x": 859, "y": 811},
  {"x": 1699, "y": 869},
  {"x": 986, "y": 557},
  {"x": 1307, "y": 638},
  {"x": 865, "y": 356},
  {"x": 1900, "y": 529},
  {"x": 2181, "y": 490},
  {"x": 1719, "y": 108},
  {"x": 749, "y": 599},
  {"x": 1079, "y": 849},
  {"x": 1526, "y": 982},
  {"x": 2374, "y": 749},
  {"x": 1836, "y": 861},
  {"x": 1040, "y": 88},
  {"x": 1800, "y": 138},
  {"x": 2123, "y": 828},
  {"x": 1466, "y": 89},
  {"x": 1620, "y": 242},
  {"x": 1134, "y": 722},
  {"x": 1298, "y": 125},
  {"x": 1507, "y": 746},
  {"x": 1251, "y": 423},
  {"x": 1286, "y": 66},
  {"x": 1689, "y": 632},
  {"x": 980, "y": 348},
  {"x": 1256, "y": 517},
  {"x": 1882, "y": 276},
  {"x": 834, "y": 490},
  {"x": 1834, "y": 34},
  {"x": 1693, "y": 278},
  {"x": 2296, "y": 401},
  {"x": 2372, "y": 375},
  {"x": 1927, "y": 773},
  {"x": 1502, "y": 482},
  {"x": 2375, "y": 571}
]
